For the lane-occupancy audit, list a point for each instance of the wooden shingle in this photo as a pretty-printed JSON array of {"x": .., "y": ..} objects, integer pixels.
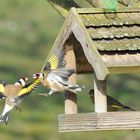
[{"x": 103, "y": 41}]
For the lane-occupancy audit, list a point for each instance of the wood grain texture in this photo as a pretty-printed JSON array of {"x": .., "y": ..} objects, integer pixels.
[
  {"x": 100, "y": 95},
  {"x": 70, "y": 97},
  {"x": 99, "y": 121},
  {"x": 121, "y": 60},
  {"x": 101, "y": 10},
  {"x": 90, "y": 49}
]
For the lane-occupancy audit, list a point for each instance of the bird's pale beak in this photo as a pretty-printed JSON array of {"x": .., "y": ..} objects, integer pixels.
[
  {"x": 26, "y": 79},
  {"x": 34, "y": 76}
]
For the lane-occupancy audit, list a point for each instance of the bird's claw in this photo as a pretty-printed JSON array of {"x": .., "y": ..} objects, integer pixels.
[
  {"x": 44, "y": 94},
  {"x": 17, "y": 108}
]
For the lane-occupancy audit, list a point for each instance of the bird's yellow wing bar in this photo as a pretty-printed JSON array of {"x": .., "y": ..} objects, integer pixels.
[
  {"x": 57, "y": 60},
  {"x": 26, "y": 90},
  {"x": 29, "y": 87},
  {"x": 2, "y": 88}
]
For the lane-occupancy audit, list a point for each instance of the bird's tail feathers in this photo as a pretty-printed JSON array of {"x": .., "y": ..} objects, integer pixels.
[{"x": 129, "y": 108}]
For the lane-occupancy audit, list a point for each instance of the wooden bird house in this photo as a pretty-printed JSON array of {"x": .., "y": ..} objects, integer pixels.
[{"x": 103, "y": 43}]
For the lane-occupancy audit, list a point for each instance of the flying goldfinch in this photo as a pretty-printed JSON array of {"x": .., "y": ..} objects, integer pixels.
[
  {"x": 55, "y": 75},
  {"x": 15, "y": 94},
  {"x": 112, "y": 104}
]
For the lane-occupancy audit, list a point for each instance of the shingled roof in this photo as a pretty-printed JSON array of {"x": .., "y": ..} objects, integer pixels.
[{"x": 103, "y": 41}]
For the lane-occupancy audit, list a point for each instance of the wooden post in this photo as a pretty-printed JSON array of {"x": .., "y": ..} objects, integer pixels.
[
  {"x": 100, "y": 95},
  {"x": 70, "y": 97}
]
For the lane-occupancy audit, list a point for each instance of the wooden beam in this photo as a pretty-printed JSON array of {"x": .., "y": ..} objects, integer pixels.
[
  {"x": 99, "y": 121},
  {"x": 101, "y": 10},
  {"x": 125, "y": 70},
  {"x": 90, "y": 49},
  {"x": 100, "y": 95},
  {"x": 70, "y": 97}
]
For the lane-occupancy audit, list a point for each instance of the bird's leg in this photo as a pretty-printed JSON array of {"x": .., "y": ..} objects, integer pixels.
[
  {"x": 17, "y": 108},
  {"x": 52, "y": 92},
  {"x": 48, "y": 94},
  {"x": 44, "y": 94}
]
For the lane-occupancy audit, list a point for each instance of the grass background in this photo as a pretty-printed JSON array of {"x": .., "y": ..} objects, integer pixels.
[{"x": 28, "y": 29}]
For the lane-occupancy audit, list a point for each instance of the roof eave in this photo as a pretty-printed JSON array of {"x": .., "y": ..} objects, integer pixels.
[{"x": 89, "y": 48}]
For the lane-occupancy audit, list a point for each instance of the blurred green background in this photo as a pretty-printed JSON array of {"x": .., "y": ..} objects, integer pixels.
[{"x": 28, "y": 29}]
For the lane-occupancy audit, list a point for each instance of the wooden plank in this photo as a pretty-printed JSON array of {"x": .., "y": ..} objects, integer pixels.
[
  {"x": 112, "y": 18},
  {"x": 99, "y": 121},
  {"x": 124, "y": 70},
  {"x": 100, "y": 95},
  {"x": 121, "y": 60},
  {"x": 118, "y": 44},
  {"x": 135, "y": 30},
  {"x": 70, "y": 97},
  {"x": 88, "y": 20},
  {"x": 102, "y": 19},
  {"x": 124, "y": 18},
  {"x": 114, "y": 32},
  {"x": 101, "y": 10},
  {"x": 135, "y": 17},
  {"x": 122, "y": 63},
  {"x": 89, "y": 48},
  {"x": 77, "y": 122}
]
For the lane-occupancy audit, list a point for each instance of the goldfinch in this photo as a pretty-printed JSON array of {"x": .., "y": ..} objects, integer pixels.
[
  {"x": 112, "y": 104},
  {"x": 55, "y": 75},
  {"x": 15, "y": 94}
]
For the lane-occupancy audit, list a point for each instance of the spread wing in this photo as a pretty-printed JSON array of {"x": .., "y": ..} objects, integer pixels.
[
  {"x": 2, "y": 88},
  {"x": 26, "y": 90},
  {"x": 64, "y": 73},
  {"x": 56, "y": 60}
]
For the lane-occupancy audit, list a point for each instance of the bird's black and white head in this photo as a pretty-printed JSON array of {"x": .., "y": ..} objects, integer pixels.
[
  {"x": 38, "y": 76},
  {"x": 22, "y": 81}
]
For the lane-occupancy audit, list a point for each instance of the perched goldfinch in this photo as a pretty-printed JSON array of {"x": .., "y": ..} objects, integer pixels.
[
  {"x": 55, "y": 75},
  {"x": 15, "y": 94},
  {"x": 112, "y": 104}
]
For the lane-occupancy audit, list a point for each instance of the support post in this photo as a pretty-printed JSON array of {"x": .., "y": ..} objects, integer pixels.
[
  {"x": 71, "y": 97},
  {"x": 100, "y": 95}
]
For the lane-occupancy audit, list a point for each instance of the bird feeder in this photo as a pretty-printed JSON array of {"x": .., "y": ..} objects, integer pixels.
[{"x": 103, "y": 43}]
